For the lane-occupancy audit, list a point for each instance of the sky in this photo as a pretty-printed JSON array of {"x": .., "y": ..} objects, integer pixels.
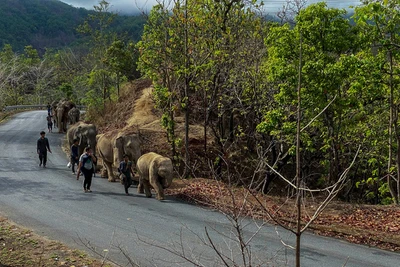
[{"x": 132, "y": 6}]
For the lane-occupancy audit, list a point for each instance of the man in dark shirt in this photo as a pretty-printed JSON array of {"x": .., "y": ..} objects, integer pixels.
[
  {"x": 126, "y": 172},
  {"x": 74, "y": 155},
  {"x": 49, "y": 123},
  {"x": 42, "y": 148}
]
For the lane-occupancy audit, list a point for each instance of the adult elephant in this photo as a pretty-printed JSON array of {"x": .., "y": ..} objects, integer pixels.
[
  {"x": 54, "y": 112},
  {"x": 85, "y": 133},
  {"x": 74, "y": 115},
  {"x": 112, "y": 146},
  {"x": 63, "y": 107}
]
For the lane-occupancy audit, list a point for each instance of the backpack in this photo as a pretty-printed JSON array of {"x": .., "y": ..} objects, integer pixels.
[
  {"x": 87, "y": 162},
  {"x": 121, "y": 167}
]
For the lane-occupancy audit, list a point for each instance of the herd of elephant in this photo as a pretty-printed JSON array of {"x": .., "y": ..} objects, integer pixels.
[
  {"x": 155, "y": 171},
  {"x": 64, "y": 112}
]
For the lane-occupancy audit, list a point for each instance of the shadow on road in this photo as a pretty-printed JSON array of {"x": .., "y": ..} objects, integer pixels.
[{"x": 40, "y": 190}]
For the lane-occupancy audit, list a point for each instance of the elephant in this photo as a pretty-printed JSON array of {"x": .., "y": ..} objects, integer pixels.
[
  {"x": 63, "y": 107},
  {"x": 53, "y": 106},
  {"x": 85, "y": 133},
  {"x": 54, "y": 112},
  {"x": 74, "y": 115},
  {"x": 156, "y": 171},
  {"x": 111, "y": 149}
]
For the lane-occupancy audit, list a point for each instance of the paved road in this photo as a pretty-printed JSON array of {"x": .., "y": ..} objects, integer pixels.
[{"x": 52, "y": 203}]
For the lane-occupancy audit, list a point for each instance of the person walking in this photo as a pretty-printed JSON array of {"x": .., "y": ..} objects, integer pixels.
[
  {"x": 49, "y": 123},
  {"x": 86, "y": 166},
  {"x": 42, "y": 148},
  {"x": 125, "y": 169},
  {"x": 48, "y": 109},
  {"x": 74, "y": 155}
]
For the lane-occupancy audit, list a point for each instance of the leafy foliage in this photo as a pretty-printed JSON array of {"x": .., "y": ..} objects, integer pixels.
[{"x": 243, "y": 74}]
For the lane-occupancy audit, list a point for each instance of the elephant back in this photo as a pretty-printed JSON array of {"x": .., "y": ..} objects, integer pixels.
[
  {"x": 104, "y": 147},
  {"x": 146, "y": 160}
]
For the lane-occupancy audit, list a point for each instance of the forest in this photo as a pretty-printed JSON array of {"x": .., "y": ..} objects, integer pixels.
[
  {"x": 312, "y": 100},
  {"x": 46, "y": 24}
]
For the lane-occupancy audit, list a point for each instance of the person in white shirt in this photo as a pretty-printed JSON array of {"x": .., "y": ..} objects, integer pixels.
[{"x": 86, "y": 166}]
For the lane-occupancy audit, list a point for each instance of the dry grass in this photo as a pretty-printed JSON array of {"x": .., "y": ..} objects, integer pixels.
[
  {"x": 143, "y": 110},
  {"x": 20, "y": 247}
]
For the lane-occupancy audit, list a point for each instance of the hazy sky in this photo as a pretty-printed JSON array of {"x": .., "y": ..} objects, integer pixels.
[
  {"x": 119, "y": 6},
  {"x": 130, "y": 6}
]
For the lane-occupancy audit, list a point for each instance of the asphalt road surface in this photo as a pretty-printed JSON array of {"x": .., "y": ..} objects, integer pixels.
[{"x": 52, "y": 203}]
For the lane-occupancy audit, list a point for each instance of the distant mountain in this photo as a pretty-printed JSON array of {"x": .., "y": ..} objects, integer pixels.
[{"x": 51, "y": 24}]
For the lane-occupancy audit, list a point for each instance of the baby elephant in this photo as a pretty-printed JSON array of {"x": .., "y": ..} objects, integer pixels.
[{"x": 156, "y": 171}]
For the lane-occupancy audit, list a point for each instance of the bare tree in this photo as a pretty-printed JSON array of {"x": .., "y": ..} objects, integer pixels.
[{"x": 11, "y": 75}]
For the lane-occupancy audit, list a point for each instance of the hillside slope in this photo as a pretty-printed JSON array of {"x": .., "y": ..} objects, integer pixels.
[
  {"x": 135, "y": 112},
  {"x": 51, "y": 24}
]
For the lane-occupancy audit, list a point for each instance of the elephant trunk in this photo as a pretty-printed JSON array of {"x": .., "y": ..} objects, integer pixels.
[{"x": 165, "y": 182}]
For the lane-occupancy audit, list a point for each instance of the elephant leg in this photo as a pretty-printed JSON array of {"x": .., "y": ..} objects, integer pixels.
[
  {"x": 103, "y": 173},
  {"x": 59, "y": 124},
  {"x": 140, "y": 188},
  {"x": 158, "y": 188},
  {"x": 147, "y": 189},
  {"x": 110, "y": 173}
]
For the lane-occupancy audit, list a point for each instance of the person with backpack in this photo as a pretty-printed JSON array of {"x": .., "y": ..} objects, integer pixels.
[
  {"x": 86, "y": 166},
  {"x": 42, "y": 147},
  {"x": 125, "y": 169}
]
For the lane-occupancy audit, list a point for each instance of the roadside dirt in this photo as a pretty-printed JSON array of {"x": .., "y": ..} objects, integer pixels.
[{"x": 20, "y": 247}]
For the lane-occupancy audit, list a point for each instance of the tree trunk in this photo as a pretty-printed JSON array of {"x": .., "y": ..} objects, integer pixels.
[
  {"x": 390, "y": 129},
  {"x": 397, "y": 200},
  {"x": 298, "y": 166},
  {"x": 186, "y": 98}
]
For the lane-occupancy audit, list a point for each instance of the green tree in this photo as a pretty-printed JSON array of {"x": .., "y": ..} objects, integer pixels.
[
  {"x": 380, "y": 24},
  {"x": 97, "y": 27},
  {"x": 121, "y": 59},
  {"x": 155, "y": 63},
  {"x": 327, "y": 40},
  {"x": 198, "y": 52}
]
